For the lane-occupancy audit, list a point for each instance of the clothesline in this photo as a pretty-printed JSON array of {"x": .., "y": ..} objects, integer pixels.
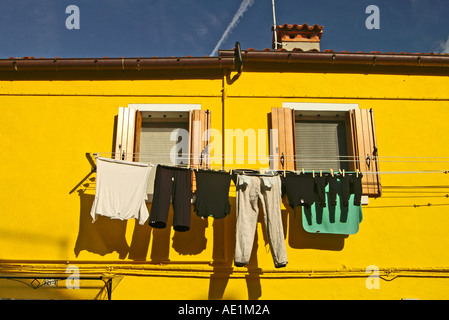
[
  {"x": 305, "y": 170},
  {"x": 287, "y": 157},
  {"x": 414, "y": 157},
  {"x": 228, "y": 167}
]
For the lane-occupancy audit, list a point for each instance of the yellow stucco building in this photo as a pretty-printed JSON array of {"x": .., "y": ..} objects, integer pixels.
[{"x": 58, "y": 114}]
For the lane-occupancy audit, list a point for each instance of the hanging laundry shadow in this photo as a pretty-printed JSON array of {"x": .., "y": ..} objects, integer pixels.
[
  {"x": 194, "y": 241},
  {"x": 191, "y": 242},
  {"x": 218, "y": 283},
  {"x": 222, "y": 254},
  {"x": 140, "y": 242},
  {"x": 301, "y": 239},
  {"x": 186, "y": 243},
  {"x": 219, "y": 246},
  {"x": 222, "y": 272},
  {"x": 102, "y": 237},
  {"x": 160, "y": 249}
]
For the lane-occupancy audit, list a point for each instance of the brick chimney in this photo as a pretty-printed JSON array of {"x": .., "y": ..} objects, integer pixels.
[{"x": 294, "y": 36}]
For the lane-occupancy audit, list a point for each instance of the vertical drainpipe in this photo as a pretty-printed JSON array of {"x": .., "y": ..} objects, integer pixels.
[
  {"x": 274, "y": 27},
  {"x": 224, "y": 89},
  {"x": 238, "y": 64},
  {"x": 226, "y": 74}
]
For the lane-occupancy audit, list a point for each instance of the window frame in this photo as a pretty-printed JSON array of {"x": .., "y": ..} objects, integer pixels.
[
  {"x": 147, "y": 108},
  {"x": 360, "y": 132},
  {"x": 322, "y": 111},
  {"x": 129, "y": 126}
]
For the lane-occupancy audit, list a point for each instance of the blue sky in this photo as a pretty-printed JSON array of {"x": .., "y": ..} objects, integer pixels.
[{"x": 147, "y": 28}]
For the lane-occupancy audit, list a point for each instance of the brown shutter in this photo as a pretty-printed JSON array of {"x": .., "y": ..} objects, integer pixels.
[
  {"x": 362, "y": 147},
  {"x": 199, "y": 139},
  {"x": 137, "y": 134},
  {"x": 127, "y": 143},
  {"x": 283, "y": 146}
]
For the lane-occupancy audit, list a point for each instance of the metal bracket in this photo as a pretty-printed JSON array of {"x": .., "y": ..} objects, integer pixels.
[{"x": 36, "y": 284}]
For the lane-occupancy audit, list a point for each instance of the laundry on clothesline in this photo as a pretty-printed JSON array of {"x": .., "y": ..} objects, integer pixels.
[
  {"x": 171, "y": 183},
  {"x": 338, "y": 219},
  {"x": 121, "y": 194},
  {"x": 120, "y": 190},
  {"x": 212, "y": 194}
]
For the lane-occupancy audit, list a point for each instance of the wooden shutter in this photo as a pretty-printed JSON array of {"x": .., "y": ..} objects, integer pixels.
[
  {"x": 137, "y": 135},
  {"x": 127, "y": 143},
  {"x": 282, "y": 139},
  {"x": 199, "y": 140},
  {"x": 362, "y": 148}
]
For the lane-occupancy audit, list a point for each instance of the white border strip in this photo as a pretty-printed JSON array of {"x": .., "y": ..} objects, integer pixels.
[
  {"x": 304, "y": 106},
  {"x": 167, "y": 107}
]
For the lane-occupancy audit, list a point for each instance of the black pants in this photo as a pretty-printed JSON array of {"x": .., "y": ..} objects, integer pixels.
[
  {"x": 351, "y": 184},
  {"x": 175, "y": 183}
]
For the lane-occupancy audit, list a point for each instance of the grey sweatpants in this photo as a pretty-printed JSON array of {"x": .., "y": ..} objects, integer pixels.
[{"x": 249, "y": 190}]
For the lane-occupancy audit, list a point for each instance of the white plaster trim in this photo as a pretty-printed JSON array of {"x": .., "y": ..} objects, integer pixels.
[
  {"x": 304, "y": 106},
  {"x": 167, "y": 107}
]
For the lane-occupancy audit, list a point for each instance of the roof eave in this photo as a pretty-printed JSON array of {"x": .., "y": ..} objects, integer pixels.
[
  {"x": 116, "y": 64},
  {"x": 342, "y": 58}
]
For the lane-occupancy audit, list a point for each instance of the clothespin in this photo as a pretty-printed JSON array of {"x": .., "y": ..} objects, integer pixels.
[
  {"x": 321, "y": 173},
  {"x": 313, "y": 173},
  {"x": 339, "y": 170},
  {"x": 357, "y": 173},
  {"x": 303, "y": 171},
  {"x": 284, "y": 172},
  {"x": 230, "y": 172},
  {"x": 343, "y": 172},
  {"x": 332, "y": 172}
]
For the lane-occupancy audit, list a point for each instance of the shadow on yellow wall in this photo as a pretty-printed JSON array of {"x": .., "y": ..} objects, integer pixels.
[
  {"x": 107, "y": 235},
  {"x": 102, "y": 237}
]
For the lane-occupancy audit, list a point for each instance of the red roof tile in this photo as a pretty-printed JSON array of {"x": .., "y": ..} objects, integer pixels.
[{"x": 300, "y": 27}]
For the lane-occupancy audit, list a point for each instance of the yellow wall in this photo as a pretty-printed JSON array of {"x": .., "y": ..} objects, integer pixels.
[{"x": 47, "y": 127}]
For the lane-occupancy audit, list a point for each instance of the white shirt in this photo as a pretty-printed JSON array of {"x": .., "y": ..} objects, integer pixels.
[{"x": 120, "y": 191}]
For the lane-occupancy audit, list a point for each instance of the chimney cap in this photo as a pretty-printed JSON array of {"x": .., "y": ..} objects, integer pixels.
[
  {"x": 297, "y": 36},
  {"x": 299, "y": 27}
]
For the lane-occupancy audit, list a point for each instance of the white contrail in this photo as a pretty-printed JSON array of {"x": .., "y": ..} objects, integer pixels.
[
  {"x": 242, "y": 9},
  {"x": 445, "y": 46}
]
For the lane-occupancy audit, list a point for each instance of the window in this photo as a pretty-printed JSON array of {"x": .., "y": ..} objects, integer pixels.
[
  {"x": 163, "y": 134},
  {"x": 324, "y": 137},
  {"x": 162, "y": 141},
  {"x": 320, "y": 143}
]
